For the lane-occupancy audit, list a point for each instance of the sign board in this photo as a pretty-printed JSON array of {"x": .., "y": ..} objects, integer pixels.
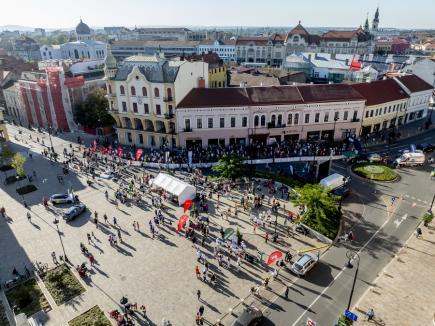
[
  {"x": 311, "y": 322},
  {"x": 350, "y": 315}
]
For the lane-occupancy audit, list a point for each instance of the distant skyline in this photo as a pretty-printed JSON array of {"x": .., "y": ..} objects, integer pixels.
[{"x": 100, "y": 13}]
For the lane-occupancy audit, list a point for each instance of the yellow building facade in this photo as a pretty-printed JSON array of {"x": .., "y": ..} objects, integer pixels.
[{"x": 217, "y": 77}]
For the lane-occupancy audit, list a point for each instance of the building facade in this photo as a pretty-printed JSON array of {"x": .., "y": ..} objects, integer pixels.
[
  {"x": 26, "y": 48},
  {"x": 143, "y": 93},
  {"x": 3, "y": 129},
  {"x": 226, "y": 50},
  {"x": 261, "y": 51},
  {"x": 385, "y": 106},
  {"x": 14, "y": 104},
  {"x": 269, "y": 114},
  {"x": 86, "y": 47}
]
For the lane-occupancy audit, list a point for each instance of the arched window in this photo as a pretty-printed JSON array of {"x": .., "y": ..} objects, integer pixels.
[
  {"x": 133, "y": 90},
  {"x": 263, "y": 120},
  {"x": 110, "y": 89},
  {"x": 169, "y": 92},
  {"x": 122, "y": 90},
  {"x": 156, "y": 92},
  {"x": 290, "y": 119},
  {"x": 273, "y": 119},
  {"x": 279, "y": 119},
  {"x": 144, "y": 91},
  {"x": 256, "y": 120}
]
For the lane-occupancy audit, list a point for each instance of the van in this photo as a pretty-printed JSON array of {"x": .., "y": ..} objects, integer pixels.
[
  {"x": 334, "y": 181},
  {"x": 304, "y": 264},
  {"x": 410, "y": 159}
]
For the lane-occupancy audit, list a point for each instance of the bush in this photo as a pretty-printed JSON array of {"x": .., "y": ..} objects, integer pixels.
[
  {"x": 93, "y": 317},
  {"x": 427, "y": 218},
  {"x": 291, "y": 182},
  {"x": 373, "y": 171},
  {"x": 343, "y": 321},
  {"x": 62, "y": 284},
  {"x": 28, "y": 298},
  {"x": 26, "y": 189}
]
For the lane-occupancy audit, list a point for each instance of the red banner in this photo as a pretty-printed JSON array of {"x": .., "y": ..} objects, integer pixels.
[
  {"x": 94, "y": 147},
  {"x": 110, "y": 149},
  {"x": 103, "y": 150},
  {"x": 187, "y": 204},
  {"x": 273, "y": 257},
  {"x": 119, "y": 151},
  {"x": 182, "y": 222},
  {"x": 139, "y": 153}
]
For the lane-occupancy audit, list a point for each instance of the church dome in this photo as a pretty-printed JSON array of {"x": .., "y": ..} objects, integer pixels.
[{"x": 83, "y": 29}]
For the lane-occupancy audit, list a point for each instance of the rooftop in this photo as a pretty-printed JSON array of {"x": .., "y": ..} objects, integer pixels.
[
  {"x": 414, "y": 83},
  {"x": 215, "y": 97},
  {"x": 156, "y": 44},
  {"x": 380, "y": 91}
]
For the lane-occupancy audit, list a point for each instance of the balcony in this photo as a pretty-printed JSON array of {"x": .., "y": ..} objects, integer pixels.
[
  {"x": 272, "y": 125},
  {"x": 169, "y": 115},
  {"x": 187, "y": 129},
  {"x": 167, "y": 99},
  {"x": 354, "y": 120}
]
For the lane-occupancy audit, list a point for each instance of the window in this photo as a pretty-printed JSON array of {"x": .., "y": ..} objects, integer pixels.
[
  {"x": 345, "y": 115},
  {"x": 244, "y": 122},
  {"x": 371, "y": 113},
  {"x": 169, "y": 92},
  {"x": 263, "y": 120},
  {"x": 199, "y": 123},
  {"x": 144, "y": 91},
  {"x": 290, "y": 119},
  {"x": 389, "y": 109},
  {"x": 133, "y": 91},
  {"x": 317, "y": 117},
  {"x": 156, "y": 92},
  {"x": 210, "y": 123},
  {"x": 279, "y": 119},
  {"x": 122, "y": 90},
  {"x": 326, "y": 118},
  {"x": 233, "y": 122},
  {"x": 146, "y": 108},
  {"x": 307, "y": 118},
  {"x": 221, "y": 122},
  {"x": 336, "y": 116},
  {"x": 158, "y": 109},
  {"x": 124, "y": 106},
  {"x": 187, "y": 124},
  {"x": 140, "y": 138},
  {"x": 355, "y": 115},
  {"x": 134, "y": 107},
  {"x": 296, "y": 118},
  {"x": 256, "y": 121}
]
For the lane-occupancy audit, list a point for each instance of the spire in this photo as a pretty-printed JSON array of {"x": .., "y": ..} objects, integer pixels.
[
  {"x": 366, "y": 24},
  {"x": 377, "y": 15},
  {"x": 375, "y": 24},
  {"x": 110, "y": 61}
]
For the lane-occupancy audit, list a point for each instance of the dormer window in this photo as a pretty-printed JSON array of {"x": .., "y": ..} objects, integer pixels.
[{"x": 296, "y": 38}]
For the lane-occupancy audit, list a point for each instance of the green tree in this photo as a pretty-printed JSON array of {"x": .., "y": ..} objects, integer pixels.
[
  {"x": 230, "y": 167},
  {"x": 93, "y": 112},
  {"x": 5, "y": 156},
  {"x": 17, "y": 163},
  {"x": 320, "y": 206}
]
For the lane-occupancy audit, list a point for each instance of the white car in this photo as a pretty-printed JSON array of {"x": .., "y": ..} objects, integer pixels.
[
  {"x": 374, "y": 157},
  {"x": 304, "y": 264},
  {"x": 108, "y": 174}
]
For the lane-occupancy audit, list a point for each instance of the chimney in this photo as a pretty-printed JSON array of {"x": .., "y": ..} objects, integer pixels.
[{"x": 201, "y": 83}]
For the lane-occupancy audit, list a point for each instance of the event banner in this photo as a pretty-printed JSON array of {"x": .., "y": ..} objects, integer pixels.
[
  {"x": 139, "y": 153},
  {"x": 119, "y": 151}
]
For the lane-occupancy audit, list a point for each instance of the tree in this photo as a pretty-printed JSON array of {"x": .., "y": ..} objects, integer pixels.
[
  {"x": 5, "y": 155},
  {"x": 17, "y": 163},
  {"x": 92, "y": 112},
  {"x": 230, "y": 167},
  {"x": 321, "y": 211}
]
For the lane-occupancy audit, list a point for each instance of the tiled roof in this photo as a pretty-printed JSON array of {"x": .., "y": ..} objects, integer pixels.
[
  {"x": 221, "y": 42},
  {"x": 158, "y": 73},
  {"x": 162, "y": 44},
  {"x": 256, "y": 40},
  {"x": 215, "y": 97},
  {"x": 273, "y": 95},
  {"x": 414, "y": 83},
  {"x": 162, "y": 30},
  {"x": 381, "y": 91},
  {"x": 299, "y": 29}
]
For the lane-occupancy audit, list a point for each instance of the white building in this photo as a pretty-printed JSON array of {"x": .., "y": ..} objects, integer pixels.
[
  {"x": 225, "y": 49},
  {"x": 419, "y": 93},
  {"x": 84, "y": 48},
  {"x": 261, "y": 51},
  {"x": 14, "y": 103}
]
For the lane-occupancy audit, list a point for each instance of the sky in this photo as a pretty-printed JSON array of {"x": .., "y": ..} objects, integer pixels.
[{"x": 100, "y": 13}]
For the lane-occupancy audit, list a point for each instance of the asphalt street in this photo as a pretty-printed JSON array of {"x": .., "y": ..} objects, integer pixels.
[{"x": 380, "y": 229}]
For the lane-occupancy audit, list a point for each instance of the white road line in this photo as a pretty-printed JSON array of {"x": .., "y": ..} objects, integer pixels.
[{"x": 338, "y": 275}]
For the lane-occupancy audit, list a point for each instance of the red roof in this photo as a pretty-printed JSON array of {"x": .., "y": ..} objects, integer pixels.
[
  {"x": 329, "y": 93},
  {"x": 414, "y": 83},
  {"x": 274, "y": 95},
  {"x": 381, "y": 91},
  {"x": 215, "y": 97}
]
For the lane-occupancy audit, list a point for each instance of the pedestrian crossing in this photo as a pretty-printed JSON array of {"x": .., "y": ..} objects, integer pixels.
[{"x": 420, "y": 201}]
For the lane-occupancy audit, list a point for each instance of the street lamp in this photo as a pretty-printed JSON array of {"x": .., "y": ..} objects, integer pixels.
[
  {"x": 351, "y": 255},
  {"x": 431, "y": 205},
  {"x": 56, "y": 222}
]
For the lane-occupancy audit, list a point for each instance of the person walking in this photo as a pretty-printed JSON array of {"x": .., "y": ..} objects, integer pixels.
[
  {"x": 115, "y": 223},
  {"x": 119, "y": 235},
  {"x": 286, "y": 292},
  {"x": 29, "y": 217},
  {"x": 105, "y": 218},
  {"x": 198, "y": 294},
  {"x": 266, "y": 237},
  {"x": 370, "y": 314},
  {"x": 197, "y": 272},
  {"x": 418, "y": 233},
  {"x": 89, "y": 238}
]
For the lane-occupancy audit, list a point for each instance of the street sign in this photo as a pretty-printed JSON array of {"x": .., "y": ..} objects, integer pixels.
[
  {"x": 350, "y": 315},
  {"x": 311, "y": 322}
]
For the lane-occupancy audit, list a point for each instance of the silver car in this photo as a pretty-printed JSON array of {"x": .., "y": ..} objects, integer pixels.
[
  {"x": 304, "y": 264},
  {"x": 62, "y": 199},
  {"x": 74, "y": 211}
]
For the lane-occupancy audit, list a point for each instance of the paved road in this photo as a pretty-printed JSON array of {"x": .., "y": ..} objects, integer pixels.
[{"x": 380, "y": 229}]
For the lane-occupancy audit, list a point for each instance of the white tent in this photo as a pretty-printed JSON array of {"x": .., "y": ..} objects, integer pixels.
[{"x": 176, "y": 187}]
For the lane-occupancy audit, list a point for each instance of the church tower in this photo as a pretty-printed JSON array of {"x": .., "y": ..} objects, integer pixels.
[
  {"x": 367, "y": 25},
  {"x": 375, "y": 25},
  {"x": 110, "y": 66}
]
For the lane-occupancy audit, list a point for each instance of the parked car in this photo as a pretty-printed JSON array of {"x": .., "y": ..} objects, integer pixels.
[
  {"x": 426, "y": 147},
  {"x": 74, "y": 211},
  {"x": 374, "y": 158},
  {"x": 342, "y": 191},
  {"x": 62, "y": 199},
  {"x": 108, "y": 174},
  {"x": 304, "y": 264},
  {"x": 250, "y": 316}
]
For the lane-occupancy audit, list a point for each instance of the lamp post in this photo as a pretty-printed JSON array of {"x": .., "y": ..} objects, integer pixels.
[
  {"x": 351, "y": 255},
  {"x": 431, "y": 205},
  {"x": 56, "y": 222}
]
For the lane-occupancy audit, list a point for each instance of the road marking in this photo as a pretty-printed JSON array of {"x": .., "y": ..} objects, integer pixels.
[
  {"x": 399, "y": 221},
  {"x": 338, "y": 275}
]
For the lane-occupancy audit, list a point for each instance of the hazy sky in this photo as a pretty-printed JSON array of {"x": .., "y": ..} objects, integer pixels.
[{"x": 346, "y": 13}]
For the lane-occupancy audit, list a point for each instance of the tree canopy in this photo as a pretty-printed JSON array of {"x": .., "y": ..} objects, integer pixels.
[
  {"x": 230, "y": 167},
  {"x": 17, "y": 163},
  {"x": 321, "y": 211},
  {"x": 92, "y": 112}
]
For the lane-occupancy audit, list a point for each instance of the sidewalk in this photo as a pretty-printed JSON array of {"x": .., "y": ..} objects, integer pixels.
[{"x": 404, "y": 291}]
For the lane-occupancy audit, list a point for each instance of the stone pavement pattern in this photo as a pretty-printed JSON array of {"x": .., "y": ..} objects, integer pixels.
[
  {"x": 404, "y": 292},
  {"x": 159, "y": 274}
]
